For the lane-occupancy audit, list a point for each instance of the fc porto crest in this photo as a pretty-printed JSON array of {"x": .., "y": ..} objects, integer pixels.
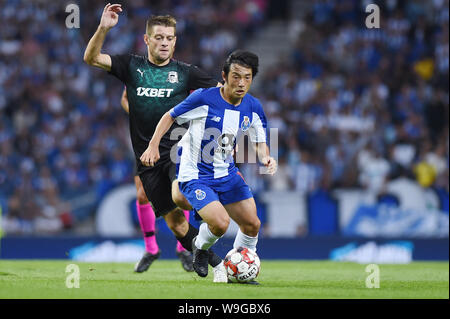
[
  {"x": 172, "y": 77},
  {"x": 245, "y": 125},
  {"x": 200, "y": 194}
]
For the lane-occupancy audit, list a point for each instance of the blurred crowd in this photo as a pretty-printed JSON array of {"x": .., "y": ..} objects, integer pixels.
[
  {"x": 354, "y": 107},
  {"x": 358, "y": 107},
  {"x": 63, "y": 134}
]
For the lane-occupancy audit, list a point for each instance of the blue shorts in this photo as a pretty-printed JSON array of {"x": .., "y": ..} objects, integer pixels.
[{"x": 226, "y": 190}]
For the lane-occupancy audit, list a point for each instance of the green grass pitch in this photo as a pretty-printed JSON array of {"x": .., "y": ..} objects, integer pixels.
[{"x": 167, "y": 280}]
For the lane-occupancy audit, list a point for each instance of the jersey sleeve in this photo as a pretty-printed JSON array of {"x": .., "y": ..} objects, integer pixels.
[
  {"x": 257, "y": 131},
  {"x": 192, "y": 108},
  {"x": 200, "y": 79},
  {"x": 119, "y": 66}
]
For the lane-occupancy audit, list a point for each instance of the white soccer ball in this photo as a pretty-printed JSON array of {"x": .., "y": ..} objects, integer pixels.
[{"x": 242, "y": 264}]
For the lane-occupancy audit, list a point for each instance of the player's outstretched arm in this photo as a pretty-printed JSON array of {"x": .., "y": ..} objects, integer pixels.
[
  {"x": 124, "y": 101},
  {"x": 151, "y": 154},
  {"x": 262, "y": 149},
  {"x": 92, "y": 55}
]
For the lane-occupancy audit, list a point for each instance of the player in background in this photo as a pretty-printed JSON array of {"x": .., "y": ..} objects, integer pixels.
[
  {"x": 147, "y": 220},
  {"x": 154, "y": 84},
  {"x": 208, "y": 178}
]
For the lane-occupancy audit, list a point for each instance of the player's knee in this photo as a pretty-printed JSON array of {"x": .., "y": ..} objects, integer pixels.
[{"x": 141, "y": 196}]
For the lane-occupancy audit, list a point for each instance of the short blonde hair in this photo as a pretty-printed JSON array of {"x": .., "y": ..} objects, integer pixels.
[{"x": 167, "y": 21}]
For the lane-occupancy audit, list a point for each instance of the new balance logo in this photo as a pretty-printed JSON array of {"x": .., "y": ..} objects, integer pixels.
[
  {"x": 216, "y": 119},
  {"x": 150, "y": 92},
  {"x": 141, "y": 72}
]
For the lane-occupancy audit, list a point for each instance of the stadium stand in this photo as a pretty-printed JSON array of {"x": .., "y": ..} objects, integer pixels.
[{"x": 354, "y": 107}]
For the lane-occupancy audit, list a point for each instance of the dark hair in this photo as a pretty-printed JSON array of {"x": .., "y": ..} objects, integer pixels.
[
  {"x": 244, "y": 58},
  {"x": 166, "y": 21}
]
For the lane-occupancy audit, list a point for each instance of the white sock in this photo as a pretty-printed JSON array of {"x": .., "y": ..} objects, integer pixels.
[
  {"x": 243, "y": 240},
  {"x": 205, "y": 238},
  {"x": 219, "y": 266}
]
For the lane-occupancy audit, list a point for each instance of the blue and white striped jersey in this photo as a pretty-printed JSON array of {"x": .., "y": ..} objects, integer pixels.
[{"x": 215, "y": 127}]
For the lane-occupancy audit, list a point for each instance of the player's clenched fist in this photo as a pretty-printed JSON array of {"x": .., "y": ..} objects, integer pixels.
[
  {"x": 110, "y": 15},
  {"x": 271, "y": 164},
  {"x": 150, "y": 156}
]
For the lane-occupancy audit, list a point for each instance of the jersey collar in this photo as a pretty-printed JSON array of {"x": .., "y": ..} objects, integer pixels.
[{"x": 158, "y": 66}]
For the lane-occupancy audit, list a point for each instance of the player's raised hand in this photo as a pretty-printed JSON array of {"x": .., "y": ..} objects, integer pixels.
[
  {"x": 271, "y": 164},
  {"x": 110, "y": 16},
  {"x": 150, "y": 156}
]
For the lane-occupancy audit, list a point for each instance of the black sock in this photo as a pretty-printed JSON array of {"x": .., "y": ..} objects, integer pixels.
[
  {"x": 186, "y": 242},
  {"x": 213, "y": 260}
]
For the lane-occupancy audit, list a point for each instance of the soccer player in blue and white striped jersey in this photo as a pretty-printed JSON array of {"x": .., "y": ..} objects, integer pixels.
[{"x": 207, "y": 176}]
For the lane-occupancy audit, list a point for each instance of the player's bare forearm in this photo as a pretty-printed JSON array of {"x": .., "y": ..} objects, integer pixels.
[
  {"x": 151, "y": 154},
  {"x": 163, "y": 126},
  {"x": 92, "y": 55},
  {"x": 262, "y": 149}
]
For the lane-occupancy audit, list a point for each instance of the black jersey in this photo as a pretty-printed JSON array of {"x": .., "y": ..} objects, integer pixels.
[{"x": 153, "y": 90}]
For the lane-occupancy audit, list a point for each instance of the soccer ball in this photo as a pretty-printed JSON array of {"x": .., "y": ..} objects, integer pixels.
[{"x": 242, "y": 264}]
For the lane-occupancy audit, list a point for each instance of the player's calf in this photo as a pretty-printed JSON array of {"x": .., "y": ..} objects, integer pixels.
[
  {"x": 251, "y": 228},
  {"x": 244, "y": 213},
  {"x": 140, "y": 192},
  {"x": 215, "y": 215},
  {"x": 176, "y": 221}
]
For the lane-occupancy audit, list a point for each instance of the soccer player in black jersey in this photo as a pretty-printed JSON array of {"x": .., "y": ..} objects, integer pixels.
[
  {"x": 155, "y": 83},
  {"x": 146, "y": 217}
]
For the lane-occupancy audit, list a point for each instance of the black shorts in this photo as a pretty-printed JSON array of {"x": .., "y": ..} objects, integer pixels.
[
  {"x": 136, "y": 169},
  {"x": 157, "y": 182}
]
